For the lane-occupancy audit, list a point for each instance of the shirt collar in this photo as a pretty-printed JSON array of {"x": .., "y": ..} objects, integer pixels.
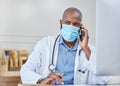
[{"x": 60, "y": 41}]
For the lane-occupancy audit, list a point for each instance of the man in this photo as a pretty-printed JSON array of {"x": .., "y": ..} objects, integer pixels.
[{"x": 72, "y": 56}]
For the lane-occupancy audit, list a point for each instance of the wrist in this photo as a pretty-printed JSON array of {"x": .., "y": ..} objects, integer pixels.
[
  {"x": 87, "y": 51},
  {"x": 85, "y": 47},
  {"x": 39, "y": 81}
]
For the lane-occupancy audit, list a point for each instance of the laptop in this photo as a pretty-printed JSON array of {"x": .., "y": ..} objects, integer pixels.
[{"x": 108, "y": 37}]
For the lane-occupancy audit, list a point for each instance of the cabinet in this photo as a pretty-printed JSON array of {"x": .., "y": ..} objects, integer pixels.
[{"x": 11, "y": 61}]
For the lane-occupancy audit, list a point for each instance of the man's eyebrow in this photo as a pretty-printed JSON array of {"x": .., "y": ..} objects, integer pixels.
[{"x": 66, "y": 20}]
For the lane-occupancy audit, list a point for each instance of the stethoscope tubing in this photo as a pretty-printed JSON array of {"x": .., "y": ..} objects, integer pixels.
[{"x": 52, "y": 66}]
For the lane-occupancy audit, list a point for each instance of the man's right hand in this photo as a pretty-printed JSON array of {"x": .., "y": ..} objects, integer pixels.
[{"x": 53, "y": 77}]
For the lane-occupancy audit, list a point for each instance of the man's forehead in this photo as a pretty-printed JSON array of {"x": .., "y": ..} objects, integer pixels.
[
  {"x": 72, "y": 15},
  {"x": 76, "y": 14}
]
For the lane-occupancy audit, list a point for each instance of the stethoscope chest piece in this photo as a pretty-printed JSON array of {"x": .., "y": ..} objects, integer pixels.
[{"x": 51, "y": 67}]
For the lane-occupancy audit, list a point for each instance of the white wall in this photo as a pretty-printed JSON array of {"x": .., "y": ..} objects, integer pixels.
[{"x": 24, "y": 22}]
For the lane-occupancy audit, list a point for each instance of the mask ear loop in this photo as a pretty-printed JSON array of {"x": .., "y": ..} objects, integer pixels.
[{"x": 60, "y": 27}]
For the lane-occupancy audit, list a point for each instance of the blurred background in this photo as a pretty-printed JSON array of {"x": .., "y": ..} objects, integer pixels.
[{"x": 24, "y": 22}]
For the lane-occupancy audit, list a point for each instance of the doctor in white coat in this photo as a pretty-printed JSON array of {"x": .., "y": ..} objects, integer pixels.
[{"x": 63, "y": 59}]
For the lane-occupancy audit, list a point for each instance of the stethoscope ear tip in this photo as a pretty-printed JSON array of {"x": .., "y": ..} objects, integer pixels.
[{"x": 81, "y": 71}]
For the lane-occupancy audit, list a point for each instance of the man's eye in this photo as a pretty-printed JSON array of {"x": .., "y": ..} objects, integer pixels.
[{"x": 67, "y": 22}]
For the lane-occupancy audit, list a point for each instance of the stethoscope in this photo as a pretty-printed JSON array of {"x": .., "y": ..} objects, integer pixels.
[{"x": 52, "y": 66}]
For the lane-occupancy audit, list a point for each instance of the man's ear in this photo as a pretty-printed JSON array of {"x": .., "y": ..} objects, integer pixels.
[{"x": 60, "y": 23}]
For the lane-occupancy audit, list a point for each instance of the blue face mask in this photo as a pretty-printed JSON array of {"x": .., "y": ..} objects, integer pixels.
[{"x": 69, "y": 32}]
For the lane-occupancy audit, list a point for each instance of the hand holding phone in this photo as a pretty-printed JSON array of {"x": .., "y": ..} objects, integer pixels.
[
  {"x": 84, "y": 41},
  {"x": 83, "y": 36}
]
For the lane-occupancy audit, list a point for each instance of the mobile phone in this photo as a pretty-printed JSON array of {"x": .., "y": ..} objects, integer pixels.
[{"x": 81, "y": 35}]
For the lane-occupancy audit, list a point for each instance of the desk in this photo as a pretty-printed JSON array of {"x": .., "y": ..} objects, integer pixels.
[{"x": 62, "y": 85}]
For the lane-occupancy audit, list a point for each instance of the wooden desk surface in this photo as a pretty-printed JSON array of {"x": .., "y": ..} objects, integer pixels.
[
  {"x": 33, "y": 85},
  {"x": 62, "y": 85}
]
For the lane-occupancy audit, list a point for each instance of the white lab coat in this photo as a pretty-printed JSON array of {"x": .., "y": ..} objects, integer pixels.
[{"x": 37, "y": 65}]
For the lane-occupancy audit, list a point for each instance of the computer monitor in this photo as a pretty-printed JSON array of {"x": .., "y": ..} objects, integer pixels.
[{"x": 108, "y": 37}]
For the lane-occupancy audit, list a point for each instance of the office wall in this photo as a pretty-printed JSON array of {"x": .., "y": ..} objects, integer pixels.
[{"x": 24, "y": 22}]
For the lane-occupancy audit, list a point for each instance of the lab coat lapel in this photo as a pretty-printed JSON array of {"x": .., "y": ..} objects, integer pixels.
[
  {"x": 77, "y": 60},
  {"x": 56, "y": 51}
]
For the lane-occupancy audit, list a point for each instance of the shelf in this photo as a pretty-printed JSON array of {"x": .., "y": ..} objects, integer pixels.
[{"x": 9, "y": 73}]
